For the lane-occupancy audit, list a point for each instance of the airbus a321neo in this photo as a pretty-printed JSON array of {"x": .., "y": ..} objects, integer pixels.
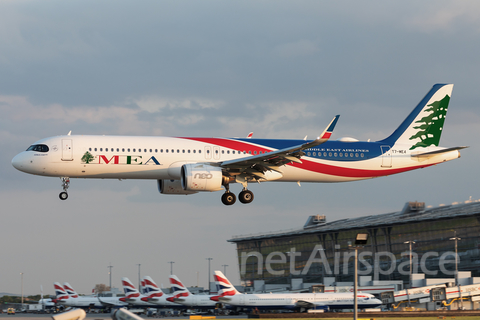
[{"x": 186, "y": 165}]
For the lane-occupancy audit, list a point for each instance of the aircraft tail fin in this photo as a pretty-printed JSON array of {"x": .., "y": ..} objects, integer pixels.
[
  {"x": 69, "y": 289},
  {"x": 224, "y": 287},
  {"x": 60, "y": 293},
  {"x": 423, "y": 126},
  {"x": 151, "y": 288},
  {"x": 129, "y": 289}
]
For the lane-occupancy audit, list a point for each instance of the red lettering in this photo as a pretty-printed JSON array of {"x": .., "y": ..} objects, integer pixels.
[{"x": 106, "y": 161}]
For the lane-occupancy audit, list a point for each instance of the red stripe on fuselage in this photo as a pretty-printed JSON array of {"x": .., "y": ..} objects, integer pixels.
[
  {"x": 231, "y": 144},
  {"x": 311, "y": 165}
]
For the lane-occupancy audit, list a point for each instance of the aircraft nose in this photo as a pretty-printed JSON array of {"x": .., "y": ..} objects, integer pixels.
[{"x": 20, "y": 162}]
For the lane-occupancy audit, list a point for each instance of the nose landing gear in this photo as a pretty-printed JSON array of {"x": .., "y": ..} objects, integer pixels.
[{"x": 65, "y": 184}]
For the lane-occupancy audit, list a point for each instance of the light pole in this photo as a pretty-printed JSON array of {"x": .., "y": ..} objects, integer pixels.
[
  {"x": 225, "y": 269},
  {"x": 110, "y": 274},
  {"x": 209, "y": 259},
  {"x": 171, "y": 266},
  {"x": 21, "y": 273},
  {"x": 360, "y": 240},
  {"x": 139, "y": 281},
  {"x": 410, "y": 242},
  {"x": 455, "y": 238}
]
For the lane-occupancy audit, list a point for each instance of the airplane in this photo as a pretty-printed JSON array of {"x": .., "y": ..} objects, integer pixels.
[
  {"x": 132, "y": 296},
  {"x": 67, "y": 296},
  {"x": 291, "y": 301},
  {"x": 183, "y": 296},
  {"x": 188, "y": 165},
  {"x": 156, "y": 296}
]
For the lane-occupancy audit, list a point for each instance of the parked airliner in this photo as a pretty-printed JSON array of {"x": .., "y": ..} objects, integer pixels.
[
  {"x": 186, "y": 165},
  {"x": 292, "y": 301},
  {"x": 68, "y": 297}
]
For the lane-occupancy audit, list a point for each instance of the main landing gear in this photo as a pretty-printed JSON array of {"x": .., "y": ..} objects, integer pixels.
[
  {"x": 65, "y": 184},
  {"x": 229, "y": 198}
]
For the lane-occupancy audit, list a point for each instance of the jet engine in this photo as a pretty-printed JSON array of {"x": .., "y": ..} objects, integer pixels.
[
  {"x": 172, "y": 187},
  {"x": 201, "y": 177}
]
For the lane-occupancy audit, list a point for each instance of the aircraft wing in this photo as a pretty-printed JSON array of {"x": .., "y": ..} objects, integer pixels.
[
  {"x": 309, "y": 305},
  {"x": 256, "y": 166},
  {"x": 110, "y": 304}
]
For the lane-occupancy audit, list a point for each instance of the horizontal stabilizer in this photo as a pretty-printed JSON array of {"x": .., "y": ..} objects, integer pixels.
[{"x": 436, "y": 152}]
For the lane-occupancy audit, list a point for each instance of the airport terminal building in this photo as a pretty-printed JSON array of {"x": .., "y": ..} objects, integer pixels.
[{"x": 426, "y": 239}]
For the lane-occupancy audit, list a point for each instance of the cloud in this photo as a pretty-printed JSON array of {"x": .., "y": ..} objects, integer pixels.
[
  {"x": 446, "y": 16},
  {"x": 155, "y": 103}
]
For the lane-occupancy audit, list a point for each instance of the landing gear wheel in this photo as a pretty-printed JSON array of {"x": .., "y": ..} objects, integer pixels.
[
  {"x": 246, "y": 196},
  {"x": 228, "y": 198},
  {"x": 63, "y": 196}
]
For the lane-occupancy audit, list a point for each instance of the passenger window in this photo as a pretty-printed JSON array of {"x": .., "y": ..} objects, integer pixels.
[
  {"x": 166, "y": 150},
  {"x": 194, "y": 151},
  {"x": 128, "y": 150},
  {"x": 118, "y": 150},
  {"x": 156, "y": 150},
  {"x": 183, "y": 151},
  {"x": 133, "y": 150},
  {"x": 111, "y": 149},
  {"x": 123, "y": 149},
  {"x": 95, "y": 149},
  {"x": 188, "y": 150},
  {"x": 89, "y": 149},
  {"x": 101, "y": 149},
  {"x": 144, "y": 150},
  {"x": 199, "y": 151},
  {"x": 150, "y": 150}
]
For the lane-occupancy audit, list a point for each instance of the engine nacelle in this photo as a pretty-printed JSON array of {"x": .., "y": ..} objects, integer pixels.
[
  {"x": 172, "y": 187},
  {"x": 201, "y": 177}
]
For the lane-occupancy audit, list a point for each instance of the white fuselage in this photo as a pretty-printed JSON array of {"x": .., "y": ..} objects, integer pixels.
[
  {"x": 292, "y": 301},
  {"x": 197, "y": 301},
  {"x": 127, "y": 157}
]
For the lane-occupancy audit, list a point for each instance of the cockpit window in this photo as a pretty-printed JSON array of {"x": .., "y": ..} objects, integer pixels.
[{"x": 38, "y": 148}]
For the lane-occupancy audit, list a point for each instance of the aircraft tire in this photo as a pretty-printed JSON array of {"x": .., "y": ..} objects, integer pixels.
[
  {"x": 228, "y": 198},
  {"x": 246, "y": 196},
  {"x": 63, "y": 196}
]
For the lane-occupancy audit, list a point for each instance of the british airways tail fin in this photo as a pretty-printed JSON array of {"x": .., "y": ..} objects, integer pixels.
[
  {"x": 69, "y": 289},
  {"x": 224, "y": 287},
  {"x": 423, "y": 126},
  {"x": 177, "y": 286},
  {"x": 60, "y": 293},
  {"x": 129, "y": 289}
]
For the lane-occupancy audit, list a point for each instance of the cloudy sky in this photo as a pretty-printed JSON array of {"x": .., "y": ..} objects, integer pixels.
[{"x": 281, "y": 69}]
